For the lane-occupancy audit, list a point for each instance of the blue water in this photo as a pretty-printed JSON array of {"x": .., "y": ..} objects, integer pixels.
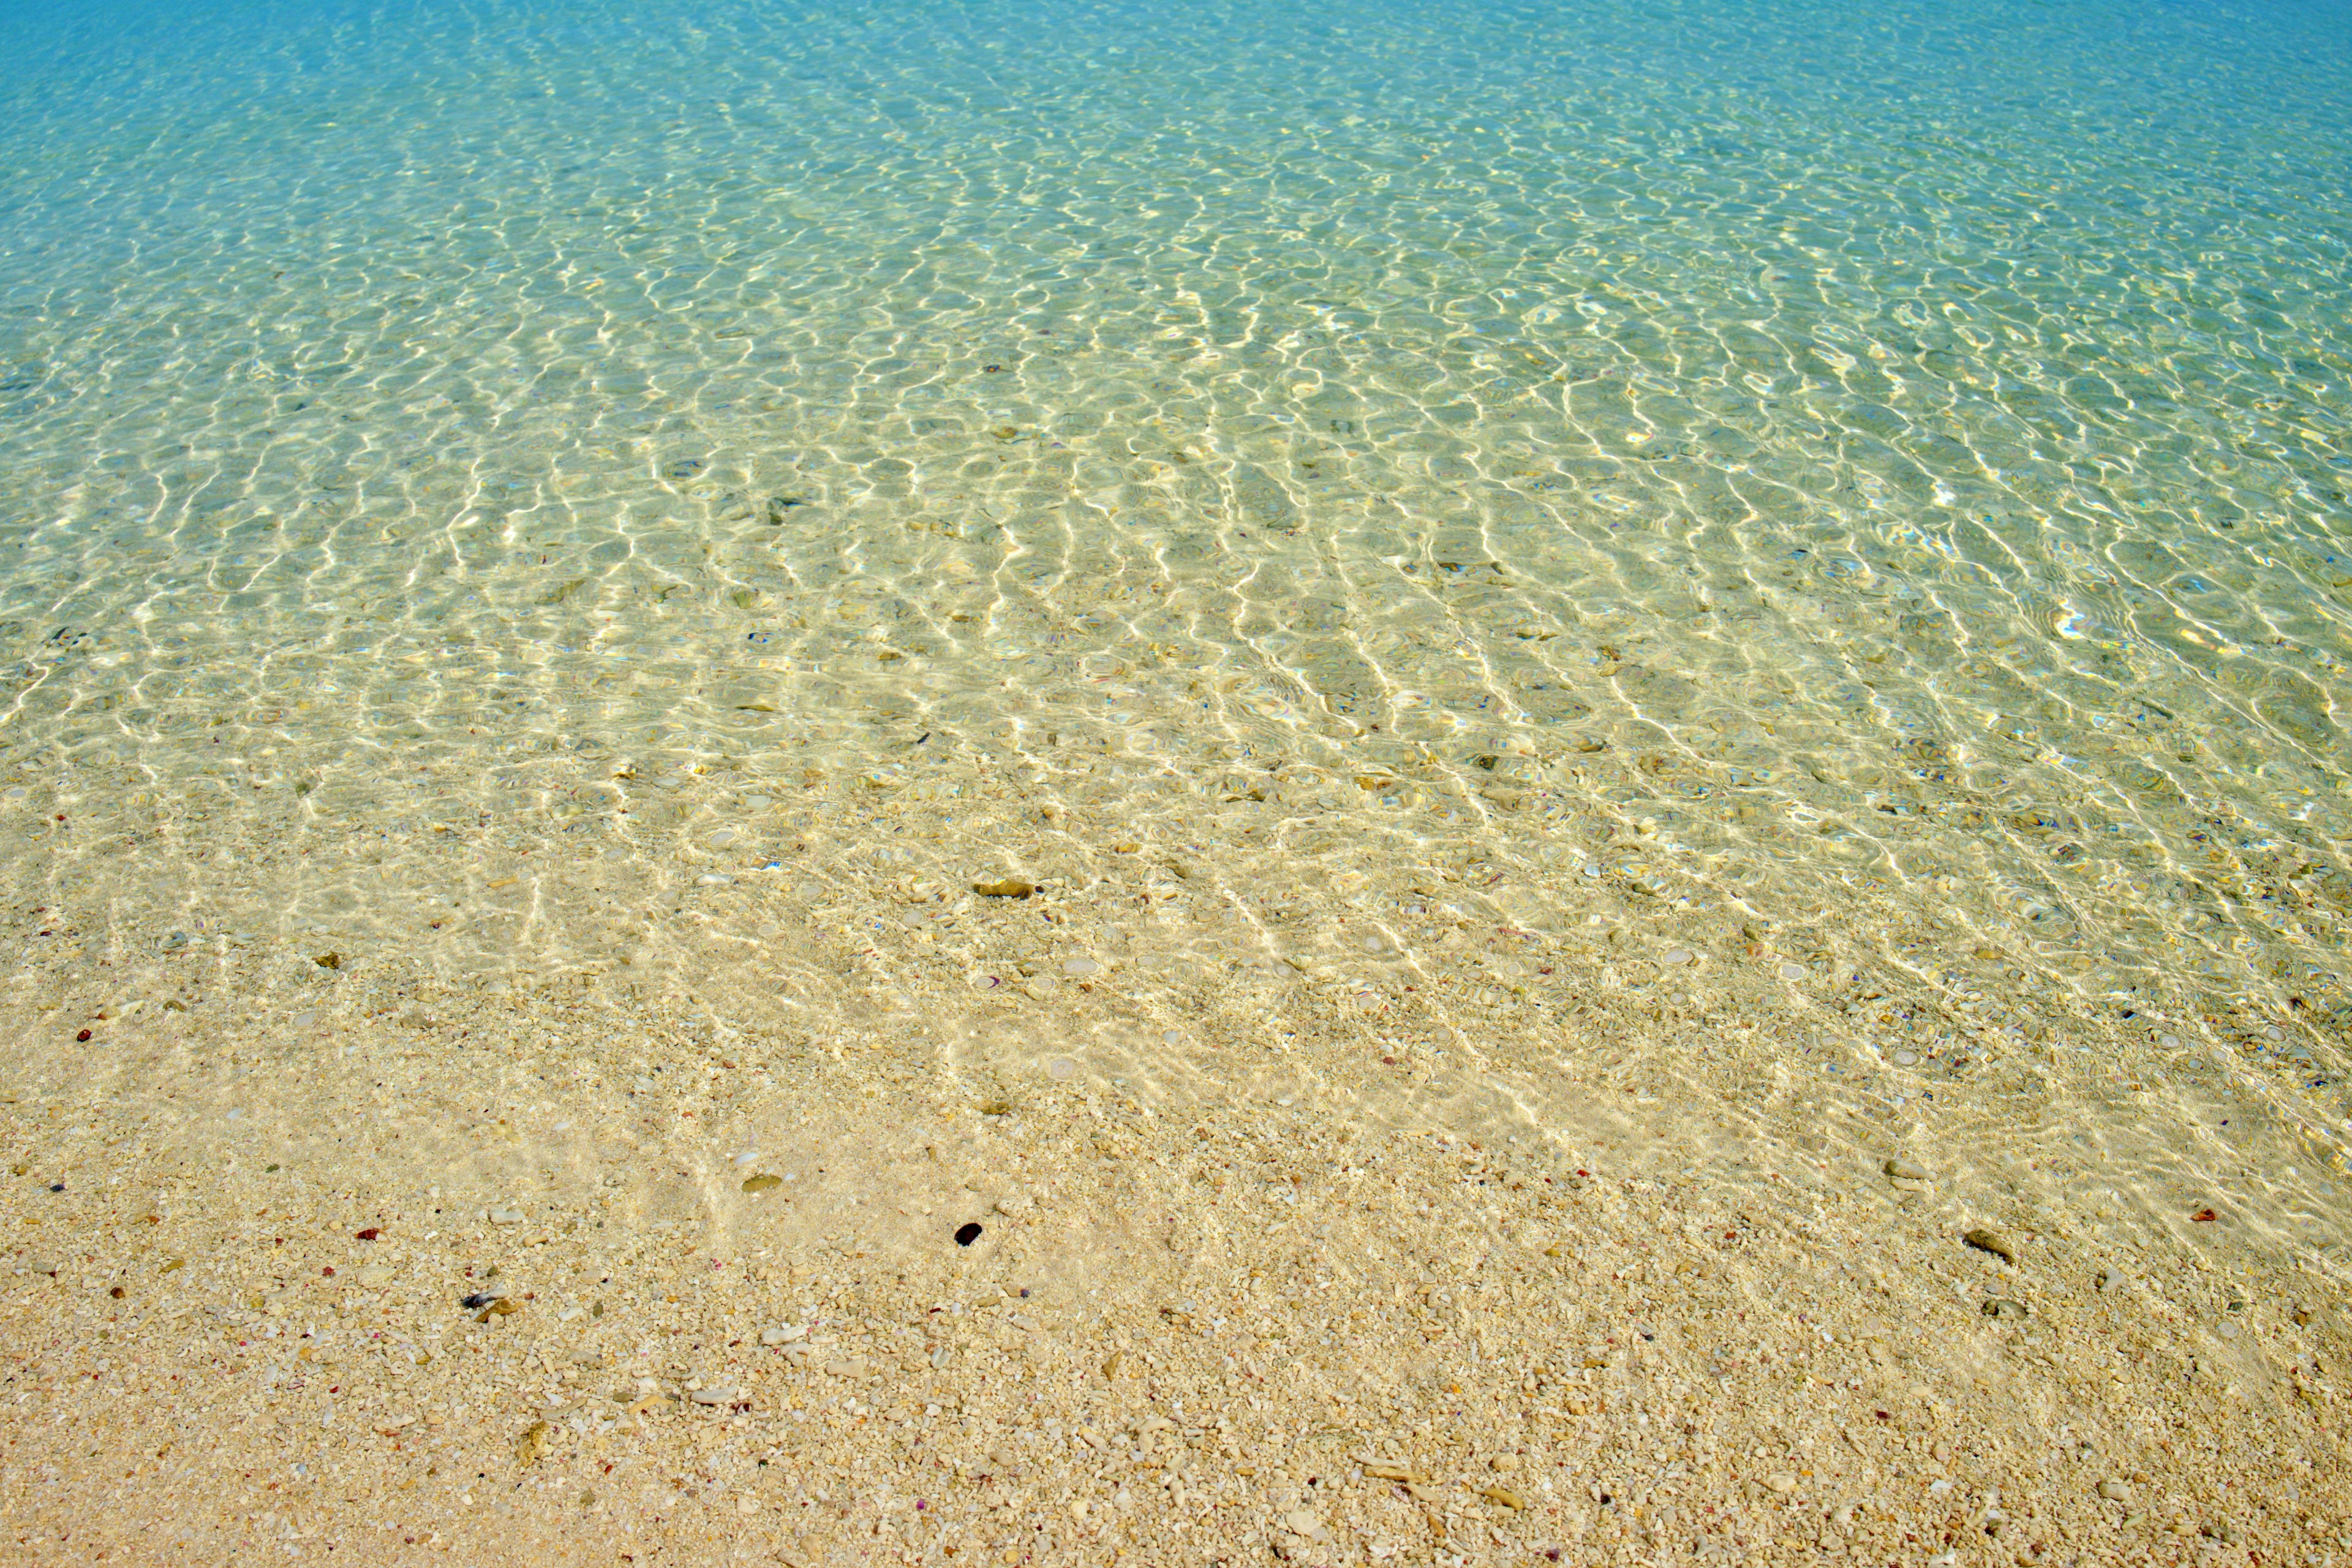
[{"x": 1876, "y": 476}]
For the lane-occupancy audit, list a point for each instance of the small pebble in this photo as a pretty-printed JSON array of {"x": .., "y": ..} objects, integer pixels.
[
  {"x": 1080, "y": 966},
  {"x": 1782, "y": 1482},
  {"x": 763, "y": 1183},
  {"x": 1992, "y": 1241},
  {"x": 782, "y": 1336},
  {"x": 2111, "y": 1278},
  {"x": 728, "y": 1394},
  {"x": 2001, "y": 1308},
  {"x": 1906, "y": 1058},
  {"x": 1904, "y": 1170},
  {"x": 2115, "y": 1491},
  {"x": 1792, "y": 971},
  {"x": 1061, "y": 1069},
  {"x": 1015, "y": 1207},
  {"x": 1298, "y": 1522},
  {"x": 1677, "y": 956},
  {"x": 506, "y": 1216}
]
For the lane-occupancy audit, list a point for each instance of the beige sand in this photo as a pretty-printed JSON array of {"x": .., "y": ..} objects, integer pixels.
[{"x": 1206, "y": 1320}]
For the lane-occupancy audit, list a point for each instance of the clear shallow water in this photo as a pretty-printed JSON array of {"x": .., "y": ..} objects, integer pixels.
[{"x": 1866, "y": 486}]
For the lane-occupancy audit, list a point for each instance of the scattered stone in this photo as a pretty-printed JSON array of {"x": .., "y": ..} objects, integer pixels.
[
  {"x": 1389, "y": 1470},
  {"x": 2111, "y": 1278},
  {"x": 1992, "y": 1241},
  {"x": 500, "y": 1307},
  {"x": 1997, "y": 1308},
  {"x": 1014, "y": 1207},
  {"x": 479, "y": 1299},
  {"x": 532, "y": 1444},
  {"x": 1781, "y": 1482},
  {"x": 1081, "y": 966},
  {"x": 325, "y": 960},
  {"x": 1901, "y": 1169},
  {"x": 782, "y": 1336},
  {"x": 1298, "y": 1522},
  {"x": 2203, "y": 1216},
  {"x": 1677, "y": 956},
  {"x": 1503, "y": 1464},
  {"x": 1792, "y": 971},
  {"x": 725, "y": 1394},
  {"x": 1010, "y": 888},
  {"x": 506, "y": 1216},
  {"x": 1503, "y": 1495},
  {"x": 2115, "y": 1491},
  {"x": 763, "y": 1183}
]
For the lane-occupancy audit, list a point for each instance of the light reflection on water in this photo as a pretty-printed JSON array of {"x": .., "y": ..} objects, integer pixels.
[{"x": 1545, "y": 492}]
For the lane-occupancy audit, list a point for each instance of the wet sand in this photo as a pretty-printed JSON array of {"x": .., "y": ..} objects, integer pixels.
[{"x": 720, "y": 1311}]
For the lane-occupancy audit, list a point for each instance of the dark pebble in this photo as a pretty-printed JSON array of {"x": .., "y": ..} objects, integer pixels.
[
  {"x": 478, "y": 1300},
  {"x": 966, "y": 1233},
  {"x": 83, "y": 1036}
]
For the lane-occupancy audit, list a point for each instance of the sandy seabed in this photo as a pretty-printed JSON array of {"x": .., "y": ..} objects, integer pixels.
[{"x": 376, "y": 1265}]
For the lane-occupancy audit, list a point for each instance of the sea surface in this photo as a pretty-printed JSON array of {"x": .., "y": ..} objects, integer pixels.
[{"x": 1844, "y": 502}]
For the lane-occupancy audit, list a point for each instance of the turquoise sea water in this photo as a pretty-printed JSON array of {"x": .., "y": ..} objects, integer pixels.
[{"x": 1871, "y": 484}]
